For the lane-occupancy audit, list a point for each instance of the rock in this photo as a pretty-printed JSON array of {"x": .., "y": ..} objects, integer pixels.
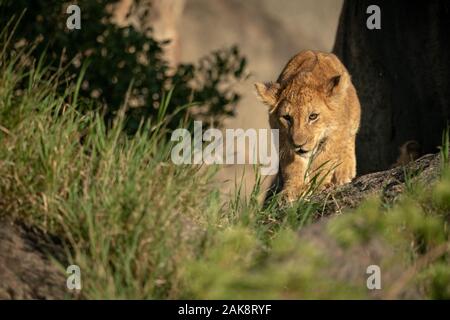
[
  {"x": 26, "y": 271},
  {"x": 388, "y": 184}
]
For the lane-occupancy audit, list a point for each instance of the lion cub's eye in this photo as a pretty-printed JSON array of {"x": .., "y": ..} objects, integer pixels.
[
  {"x": 288, "y": 118},
  {"x": 313, "y": 116}
]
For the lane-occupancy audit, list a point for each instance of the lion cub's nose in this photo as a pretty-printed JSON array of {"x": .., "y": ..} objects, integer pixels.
[{"x": 299, "y": 148}]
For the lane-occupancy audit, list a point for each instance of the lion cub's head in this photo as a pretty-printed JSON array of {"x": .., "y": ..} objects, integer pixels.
[{"x": 304, "y": 103}]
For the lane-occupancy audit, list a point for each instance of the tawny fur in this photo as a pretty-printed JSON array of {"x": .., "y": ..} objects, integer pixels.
[{"x": 324, "y": 145}]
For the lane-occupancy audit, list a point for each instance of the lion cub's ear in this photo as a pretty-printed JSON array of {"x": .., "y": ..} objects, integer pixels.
[
  {"x": 336, "y": 85},
  {"x": 268, "y": 92}
]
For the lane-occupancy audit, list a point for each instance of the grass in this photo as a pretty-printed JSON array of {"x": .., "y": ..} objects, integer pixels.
[{"x": 141, "y": 227}]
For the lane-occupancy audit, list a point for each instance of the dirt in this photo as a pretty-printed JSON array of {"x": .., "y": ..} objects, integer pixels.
[{"x": 26, "y": 269}]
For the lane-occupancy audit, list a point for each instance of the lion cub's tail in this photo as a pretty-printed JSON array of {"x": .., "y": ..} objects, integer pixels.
[{"x": 409, "y": 151}]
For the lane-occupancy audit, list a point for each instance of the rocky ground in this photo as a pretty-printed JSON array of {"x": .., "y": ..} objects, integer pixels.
[
  {"x": 26, "y": 269},
  {"x": 387, "y": 184}
]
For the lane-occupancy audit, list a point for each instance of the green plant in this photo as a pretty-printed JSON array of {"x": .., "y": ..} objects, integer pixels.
[
  {"x": 126, "y": 214},
  {"x": 123, "y": 62},
  {"x": 444, "y": 149}
]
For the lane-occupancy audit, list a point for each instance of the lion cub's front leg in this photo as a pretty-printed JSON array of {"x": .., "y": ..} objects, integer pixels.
[
  {"x": 293, "y": 190},
  {"x": 294, "y": 179},
  {"x": 346, "y": 170}
]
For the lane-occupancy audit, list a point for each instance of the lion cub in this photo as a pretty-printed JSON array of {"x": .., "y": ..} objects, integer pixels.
[{"x": 316, "y": 109}]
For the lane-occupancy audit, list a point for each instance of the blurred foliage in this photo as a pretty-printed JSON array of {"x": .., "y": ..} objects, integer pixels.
[
  {"x": 126, "y": 66},
  {"x": 408, "y": 241}
]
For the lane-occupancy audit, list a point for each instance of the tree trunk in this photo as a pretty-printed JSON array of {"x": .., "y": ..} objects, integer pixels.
[
  {"x": 401, "y": 73},
  {"x": 161, "y": 16}
]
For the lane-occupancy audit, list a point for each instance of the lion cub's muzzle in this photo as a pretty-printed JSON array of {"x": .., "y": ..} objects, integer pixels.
[
  {"x": 302, "y": 150},
  {"x": 305, "y": 151}
]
